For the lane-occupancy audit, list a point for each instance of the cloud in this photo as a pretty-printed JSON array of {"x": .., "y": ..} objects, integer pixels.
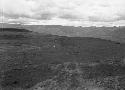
[
  {"x": 63, "y": 11},
  {"x": 17, "y": 7},
  {"x": 70, "y": 17}
]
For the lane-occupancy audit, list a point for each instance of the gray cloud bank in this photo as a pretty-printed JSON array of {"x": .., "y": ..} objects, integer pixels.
[{"x": 68, "y": 12}]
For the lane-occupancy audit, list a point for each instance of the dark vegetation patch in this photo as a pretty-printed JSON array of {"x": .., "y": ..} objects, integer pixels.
[
  {"x": 11, "y": 37},
  {"x": 27, "y": 77},
  {"x": 13, "y": 30}
]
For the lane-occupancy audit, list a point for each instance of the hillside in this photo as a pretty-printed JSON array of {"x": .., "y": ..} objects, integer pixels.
[
  {"x": 109, "y": 33},
  {"x": 34, "y": 57}
]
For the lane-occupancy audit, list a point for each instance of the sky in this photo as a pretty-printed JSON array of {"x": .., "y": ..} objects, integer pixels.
[{"x": 63, "y": 12}]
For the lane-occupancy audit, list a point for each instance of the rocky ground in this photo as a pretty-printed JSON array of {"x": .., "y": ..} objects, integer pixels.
[{"x": 68, "y": 76}]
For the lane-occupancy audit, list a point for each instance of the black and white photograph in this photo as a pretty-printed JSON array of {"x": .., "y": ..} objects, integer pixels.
[{"x": 62, "y": 44}]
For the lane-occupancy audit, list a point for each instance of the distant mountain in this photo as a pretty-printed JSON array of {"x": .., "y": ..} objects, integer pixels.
[
  {"x": 5, "y": 25},
  {"x": 119, "y": 34},
  {"x": 109, "y": 33}
]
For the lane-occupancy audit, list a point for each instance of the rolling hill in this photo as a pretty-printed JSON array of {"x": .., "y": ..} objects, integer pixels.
[
  {"x": 28, "y": 58},
  {"x": 109, "y": 33}
]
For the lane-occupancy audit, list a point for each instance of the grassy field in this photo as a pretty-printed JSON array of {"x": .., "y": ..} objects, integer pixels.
[{"x": 29, "y": 59}]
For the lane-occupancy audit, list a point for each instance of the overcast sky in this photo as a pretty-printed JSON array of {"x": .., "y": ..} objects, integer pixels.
[{"x": 64, "y": 12}]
